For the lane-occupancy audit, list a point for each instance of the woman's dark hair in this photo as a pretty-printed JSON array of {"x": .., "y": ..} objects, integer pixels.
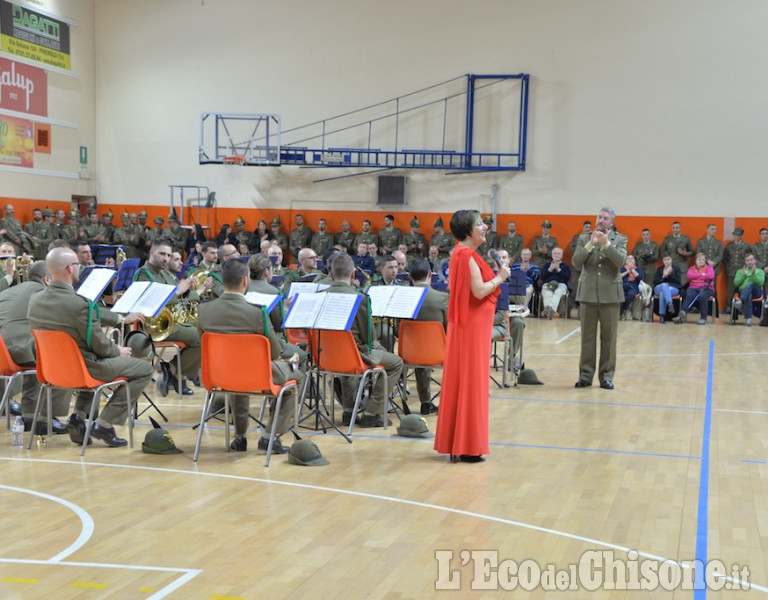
[
  {"x": 666, "y": 255},
  {"x": 199, "y": 233},
  {"x": 462, "y": 223}
]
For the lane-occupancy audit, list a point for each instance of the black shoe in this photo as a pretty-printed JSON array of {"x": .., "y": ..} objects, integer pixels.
[
  {"x": 107, "y": 435},
  {"x": 373, "y": 421},
  {"x": 57, "y": 427},
  {"x": 582, "y": 383},
  {"x": 607, "y": 384},
  {"x": 471, "y": 458},
  {"x": 239, "y": 444},
  {"x": 277, "y": 445},
  {"x": 187, "y": 391},
  {"x": 661, "y": 319},
  {"x": 427, "y": 408},
  {"x": 196, "y": 381},
  {"x": 15, "y": 408},
  {"x": 76, "y": 430},
  {"x": 346, "y": 417},
  {"x": 163, "y": 379}
]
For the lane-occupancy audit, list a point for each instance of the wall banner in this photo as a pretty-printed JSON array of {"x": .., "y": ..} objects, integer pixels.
[
  {"x": 23, "y": 88},
  {"x": 16, "y": 142},
  {"x": 33, "y": 35}
]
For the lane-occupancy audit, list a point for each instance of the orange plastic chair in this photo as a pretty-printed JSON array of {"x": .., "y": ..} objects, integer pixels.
[
  {"x": 221, "y": 374},
  {"x": 420, "y": 344},
  {"x": 176, "y": 347},
  {"x": 9, "y": 372},
  {"x": 297, "y": 337},
  {"x": 60, "y": 364},
  {"x": 335, "y": 353}
]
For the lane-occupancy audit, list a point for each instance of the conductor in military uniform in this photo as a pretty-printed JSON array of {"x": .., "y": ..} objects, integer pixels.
[
  {"x": 59, "y": 308},
  {"x": 600, "y": 255}
]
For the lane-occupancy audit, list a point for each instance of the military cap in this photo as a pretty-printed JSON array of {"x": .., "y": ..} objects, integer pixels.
[
  {"x": 415, "y": 222},
  {"x": 143, "y": 214},
  {"x": 738, "y": 231},
  {"x": 239, "y": 221},
  {"x": 47, "y": 212},
  {"x": 173, "y": 217},
  {"x": 276, "y": 221},
  {"x": 488, "y": 219},
  {"x": 414, "y": 426},
  {"x": 546, "y": 223},
  {"x": 72, "y": 214},
  {"x": 159, "y": 220},
  {"x": 439, "y": 222},
  {"x": 307, "y": 454}
]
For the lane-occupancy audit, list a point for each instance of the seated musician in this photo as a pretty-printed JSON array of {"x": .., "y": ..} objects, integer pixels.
[
  {"x": 371, "y": 351},
  {"x": 156, "y": 270},
  {"x": 58, "y": 307},
  {"x": 230, "y": 313},
  {"x": 8, "y": 255},
  {"x": 261, "y": 269},
  {"x": 307, "y": 266},
  {"x": 434, "y": 308}
]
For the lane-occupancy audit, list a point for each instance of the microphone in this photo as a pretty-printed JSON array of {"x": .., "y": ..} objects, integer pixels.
[{"x": 495, "y": 256}]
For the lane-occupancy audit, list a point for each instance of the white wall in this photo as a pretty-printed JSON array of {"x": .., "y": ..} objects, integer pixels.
[{"x": 653, "y": 107}]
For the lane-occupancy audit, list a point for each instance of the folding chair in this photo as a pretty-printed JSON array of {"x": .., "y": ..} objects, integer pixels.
[
  {"x": 757, "y": 308},
  {"x": 9, "y": 372},
  {"x": 421, "y": 345},
  {"x": 220, "y": 374},
  {"x": 60, "y": 364},
  {"x": 335, "y": 353},
  {"x": 674, "y": 307},
  {"x": 563, "y": 302}
]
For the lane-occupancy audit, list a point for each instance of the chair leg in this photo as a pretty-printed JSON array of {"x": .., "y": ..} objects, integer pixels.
[
  {"x": 358, "y": 398},
  {"x": 34, "y": 417},
  {"x": 227, "y": 419},
  {"x": 6, "y": 399},
  {"x": 273, "y": 432},
  {"x": 91, "y": 420},
  {"x": 203, "y": 419}
]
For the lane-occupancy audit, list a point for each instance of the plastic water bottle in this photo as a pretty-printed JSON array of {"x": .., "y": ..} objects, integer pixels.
[{"x": 17, "y": 430}]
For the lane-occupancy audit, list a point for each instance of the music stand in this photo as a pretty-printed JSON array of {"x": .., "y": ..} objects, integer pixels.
[
  {"x": 126, "y": 273},
  {"x": 101, "y": 252}
]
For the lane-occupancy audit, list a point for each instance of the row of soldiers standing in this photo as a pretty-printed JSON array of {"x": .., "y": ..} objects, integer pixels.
[{"x": 46, "y": 226}]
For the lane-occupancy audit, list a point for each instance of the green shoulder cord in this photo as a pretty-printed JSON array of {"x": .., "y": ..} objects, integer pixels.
[
  {"x": 217, "y": 278},
  {"x": 89, "y": 332},
  {"x": 136, "y": 274},
  {"x": 282, "y": 308},
  {"x": 266, "y": 321},
  {"x": 370, "y": 325}
]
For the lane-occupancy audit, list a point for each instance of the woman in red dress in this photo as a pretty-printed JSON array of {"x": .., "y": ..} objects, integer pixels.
[{"x": 462, "y": 423}]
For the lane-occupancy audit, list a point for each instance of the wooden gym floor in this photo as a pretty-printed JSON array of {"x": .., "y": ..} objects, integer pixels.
[{"x": 672, "y": 464}]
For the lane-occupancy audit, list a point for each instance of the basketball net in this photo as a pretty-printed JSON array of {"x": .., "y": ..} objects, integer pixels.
[{"x": 233, "y": 164}]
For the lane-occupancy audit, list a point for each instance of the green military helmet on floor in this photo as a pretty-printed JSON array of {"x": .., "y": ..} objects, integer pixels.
[
  {"x": 528, "y": 377},
  {"x": 307, "y": 454},
  {"x": 414, "y": 426}
]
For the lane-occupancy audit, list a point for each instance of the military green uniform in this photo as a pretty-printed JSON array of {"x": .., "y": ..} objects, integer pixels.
[
  {"x": 15, "y": 235},
  {"x": 321, "y": 241},
  {"x": 282, "y": 241},
  {"x": 187, "y": 334},
  {"x": 245, "y": 237},
  {"x": 301, "y": 237},
  {"x": 96, "y": 234},
  {"x": 416, "y": 243},
  {"x": 671, "y": 244},
  {"x": 178, "y": 238},
  {"x": 760, "y": 250},
  {"x": 232, "y": 314},
  {"x": 295, "y": 275},
  {"x": 69, "y": 233},
  {"x": 444, "y": 242},
  {"x": 372, "y": 353},
  {"x": 130, "y": 236},
  {"x": 366, "y": 238},
  {"x": 59, "y": 308},
  {"x": 646, "y": 254},
  {"x": 389, "y": 239},
  {"x": 513, "y": 244},
  {"x": 600, "y": 295},
  {"x": 42, "y": 234},
  {"x": 217, "y": 287},
  {"x": 713, "y": 250},
  {"x": 276, "y": 319},
  {"x": 151, "y": 236},
  {"x": 548, "y": 243},
  {"x": 346, "y": 239},
  {"x": 733, "y": 259}
]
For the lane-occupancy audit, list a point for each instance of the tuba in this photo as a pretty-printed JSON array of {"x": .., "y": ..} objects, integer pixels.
[{"x": 160, "y": 327}]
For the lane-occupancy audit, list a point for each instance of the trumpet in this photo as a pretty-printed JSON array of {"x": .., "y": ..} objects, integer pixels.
[{"x": 160, "y": 327}]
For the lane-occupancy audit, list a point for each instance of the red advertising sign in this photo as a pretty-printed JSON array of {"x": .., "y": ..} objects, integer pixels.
[
  {"x": 23, "y": 88},
  {"x": 16, "y": 142}
]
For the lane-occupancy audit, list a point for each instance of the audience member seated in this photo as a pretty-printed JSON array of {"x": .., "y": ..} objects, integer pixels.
[
  {"x": 531, "y": 273},
  {"x": 554, "y": 278},
  {"x": 666, "y": 283},
  {"x": 631, "y": 276},
  {"x": 701, "y": 287},
  {"x": 362, "y": 260},
  {"x": 749, "y": 280}
]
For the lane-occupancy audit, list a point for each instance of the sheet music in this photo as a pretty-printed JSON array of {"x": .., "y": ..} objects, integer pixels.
[
  {"x": 305, "y": 287},
  {"x": 336, "y": 312},
  {"x": 399, "y": 302},
  {"x": 154, "y": 299},
  {"x": 96, "y": 283},
  {"x": 260, "y": 299},
  {"x": 130, "y": 297},
  {"x": 303, "y": 311}
]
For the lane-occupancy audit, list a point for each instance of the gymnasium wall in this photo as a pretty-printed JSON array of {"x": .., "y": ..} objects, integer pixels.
[{"x": 654, "y": 108}]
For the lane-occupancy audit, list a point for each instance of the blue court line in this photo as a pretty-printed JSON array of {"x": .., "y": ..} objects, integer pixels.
[
  {"x": 702, "y": 520},
  {"x": 621, "y": 404},
  {"x": 756, "y": 462}
]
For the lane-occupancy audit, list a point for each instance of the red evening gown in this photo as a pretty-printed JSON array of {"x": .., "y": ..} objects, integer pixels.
[{"x": 462, "y": 422}]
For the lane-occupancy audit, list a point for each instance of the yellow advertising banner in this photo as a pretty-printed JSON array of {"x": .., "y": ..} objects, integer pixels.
[
  {"x": 16, "y": 142},
  {"x": 34, "y": 35}
]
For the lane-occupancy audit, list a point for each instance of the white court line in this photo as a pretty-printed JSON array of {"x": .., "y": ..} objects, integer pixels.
[
  {"x": 187, "y": 574},
  {"x": 565, "y": 337},
  {"x": 746, "y": 412},
  {"x": 87, "y": 522},
  {"x": 447, "y": 509}
]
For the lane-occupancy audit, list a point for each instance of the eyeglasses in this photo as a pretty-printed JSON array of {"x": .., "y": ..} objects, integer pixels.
[
  {"x": 72, "y": 264},
  {"x": 311, "y": 257}
]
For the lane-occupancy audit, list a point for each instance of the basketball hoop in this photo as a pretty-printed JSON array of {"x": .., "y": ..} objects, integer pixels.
[{"x": 233, "y": 164}]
